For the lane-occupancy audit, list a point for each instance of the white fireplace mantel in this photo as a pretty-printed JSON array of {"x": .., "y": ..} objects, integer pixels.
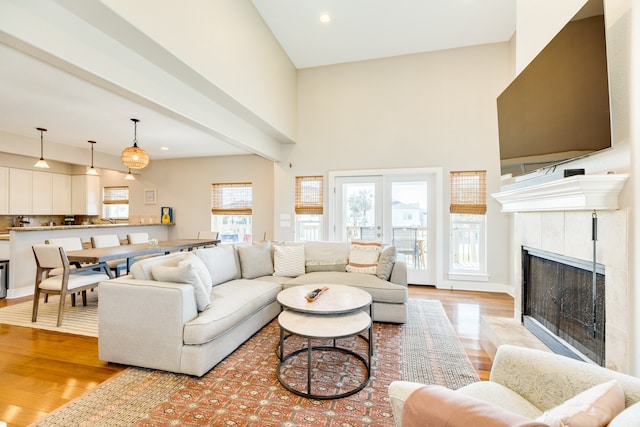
[{"x": 580, "y": 192}]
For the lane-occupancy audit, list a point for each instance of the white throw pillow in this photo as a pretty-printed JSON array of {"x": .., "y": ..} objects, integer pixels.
[
  {"x": 363, "y": 257},
  {"x": 201, "y": 269},
  {"x": 594, "y": 407},
  {"x": 184, "y": 274},
  {"x": 288, "y": 261}
]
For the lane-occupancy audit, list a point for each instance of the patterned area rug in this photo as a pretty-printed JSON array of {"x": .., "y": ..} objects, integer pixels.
[
  {"x": 243, "y": 389},
  {"x": 79, "y": 320}
]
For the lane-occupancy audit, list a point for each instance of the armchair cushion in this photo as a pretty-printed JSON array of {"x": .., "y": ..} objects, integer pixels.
[{"x": 438, "y": 406}]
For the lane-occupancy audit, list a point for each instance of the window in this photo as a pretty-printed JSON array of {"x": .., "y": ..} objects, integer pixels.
[
  {"x": 115, "y": 202},
  {"x": 231, "y": 209},
  {"x": 309, "y": 208},
  {"x": 468, "y": 225}
]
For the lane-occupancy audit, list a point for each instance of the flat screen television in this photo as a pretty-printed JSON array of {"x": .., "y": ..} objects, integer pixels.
[{"x": 557, "y": 108}]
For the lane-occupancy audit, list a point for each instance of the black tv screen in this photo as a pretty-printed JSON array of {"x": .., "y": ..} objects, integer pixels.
[{"x": 557, "y": 108}]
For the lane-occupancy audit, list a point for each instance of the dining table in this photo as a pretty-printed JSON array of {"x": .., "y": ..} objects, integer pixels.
[{"x": 130, "y": 252}]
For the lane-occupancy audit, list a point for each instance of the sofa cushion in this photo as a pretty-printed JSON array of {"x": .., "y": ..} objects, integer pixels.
[
  {"x": 594, "y": 407},
  {"x": 380, "y": 290},
  {"x": 255, "y": 260},
  {"x": 141, "y": 270},
  {"x": 326, "y": 256},
  {"x": 436, "y": 406},
  {"x": 231, "y": 303},
  {"x": 200, "y": 268},
  {"x": 184, "y": 274},
  {"x": 363, "y": 257},
  {"x": 288, "y": 260},
  {"x": 385, "y": 262},
  {"x": 221, "y": 262}
]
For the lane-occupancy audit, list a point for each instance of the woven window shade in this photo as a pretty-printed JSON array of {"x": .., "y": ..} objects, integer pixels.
[
  {"x": 115, "y": 195},
  {"x": 309, "y": 195},
  {"x": 231, "y": 199},
  {"x": 468, "y": 192}
]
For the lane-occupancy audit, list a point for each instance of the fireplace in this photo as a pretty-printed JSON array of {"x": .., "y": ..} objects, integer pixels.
[{"x": 563, "y": 303}]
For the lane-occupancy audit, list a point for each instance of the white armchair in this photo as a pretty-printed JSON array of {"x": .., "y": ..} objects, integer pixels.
[{"x": 529, "y": 382}]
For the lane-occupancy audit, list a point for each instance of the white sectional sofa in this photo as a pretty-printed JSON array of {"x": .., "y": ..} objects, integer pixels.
[{"x": 185, "y": 312}]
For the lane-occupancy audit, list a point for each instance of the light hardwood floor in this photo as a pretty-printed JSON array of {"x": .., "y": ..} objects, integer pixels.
[{"x": 42, "y": 370}]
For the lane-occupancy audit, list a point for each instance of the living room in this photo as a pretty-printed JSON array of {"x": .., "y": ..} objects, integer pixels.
[{"x": 409, "y": 112}]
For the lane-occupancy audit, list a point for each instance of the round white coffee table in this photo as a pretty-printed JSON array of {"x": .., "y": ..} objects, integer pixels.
[{"x": 336, "y": 313}]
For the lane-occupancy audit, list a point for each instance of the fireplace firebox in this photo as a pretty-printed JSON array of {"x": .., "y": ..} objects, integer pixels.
[{"x": 562, "y": 305}]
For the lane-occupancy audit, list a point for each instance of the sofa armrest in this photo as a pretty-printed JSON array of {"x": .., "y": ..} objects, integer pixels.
[
  {"x": 141, "y": 322},
  {"x": 398, "y": 392},
  {"x": 399, "y": 273}
]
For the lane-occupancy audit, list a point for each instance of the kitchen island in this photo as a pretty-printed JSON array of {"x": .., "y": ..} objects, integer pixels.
[{"x": 22, "y": 265}]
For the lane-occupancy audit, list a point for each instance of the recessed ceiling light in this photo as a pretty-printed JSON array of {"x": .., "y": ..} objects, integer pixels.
[
  {"x": 325, "y": 17},
  {"x": 164, "y": 148}
]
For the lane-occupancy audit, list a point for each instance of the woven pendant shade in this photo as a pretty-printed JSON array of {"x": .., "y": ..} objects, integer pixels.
[{"x": 134, "y": 157}]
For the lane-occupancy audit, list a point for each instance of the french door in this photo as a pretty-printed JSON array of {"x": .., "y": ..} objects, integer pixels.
[{"x": 395, "y": 208}]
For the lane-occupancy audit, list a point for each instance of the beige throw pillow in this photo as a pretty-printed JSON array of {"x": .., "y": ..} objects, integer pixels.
[
  {"x": 385, "y": 262},
  {"x": 594, "y": 407},
  {"x": 255, "y": 260},
  {"x": 363, "y": 257}
]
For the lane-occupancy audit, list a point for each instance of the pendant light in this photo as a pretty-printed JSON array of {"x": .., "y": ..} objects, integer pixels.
[
  {"x": 134, "y": 157},
  {"x": 42, "y": 163},
  {"x": 92, "y": 170},
  {"x": 129, "y": 176}
]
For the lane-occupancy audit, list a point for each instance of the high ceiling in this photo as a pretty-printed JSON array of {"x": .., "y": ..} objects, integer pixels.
[
  {"x": 36, "y": 94},
  {"x": 367, "y": 29}
]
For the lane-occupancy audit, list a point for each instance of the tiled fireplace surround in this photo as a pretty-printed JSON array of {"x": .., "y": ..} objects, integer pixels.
[
  {"x": 559, "y": 220},
  {"x": 569, "y": 233}
]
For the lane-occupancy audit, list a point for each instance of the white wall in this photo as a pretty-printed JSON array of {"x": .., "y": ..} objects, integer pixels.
[
  {"x": 185, "y": 185},
  {"x": 229, "y": 44},
  {"x": 425, "y": 110}
]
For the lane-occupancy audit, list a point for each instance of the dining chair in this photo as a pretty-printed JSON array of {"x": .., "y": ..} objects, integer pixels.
[
  {"x": 69, "y": 244},
  {"x": 49, "y": 257},
  {"x": 109, "y": 241},
  {"x": 133, "y": 238},
  {"x": 213, "y": 235}
]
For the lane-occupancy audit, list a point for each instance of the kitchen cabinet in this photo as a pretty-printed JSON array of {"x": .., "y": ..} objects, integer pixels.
[
  {"x": 4, "y": 191},
  {"x": 85, "y": 195},
  {"x": 41, "y": 193},
  {"x": 61, "y": 194},
  {"x": 20, "y": 191}
]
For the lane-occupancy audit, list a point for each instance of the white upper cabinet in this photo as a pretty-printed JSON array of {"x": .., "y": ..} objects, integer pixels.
[
  {"x": 61, "y": 203},
  {"x": 41, "y": 193},
  {"x": 20, "y": 191},
  {"x": 4, "y": 191},
  {"x": 85, "y": 195}
]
